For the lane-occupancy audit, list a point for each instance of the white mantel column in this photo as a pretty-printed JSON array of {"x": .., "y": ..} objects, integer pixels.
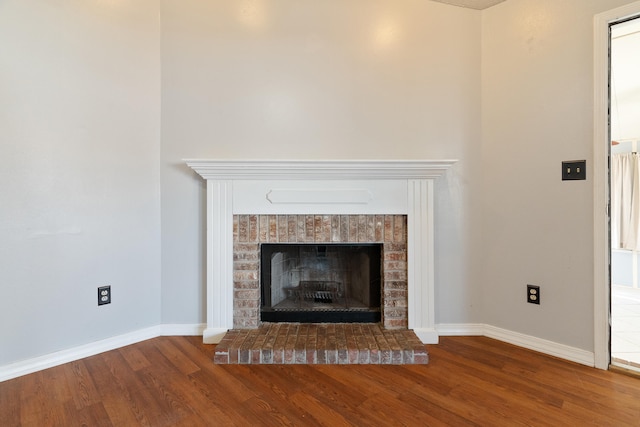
[
  {"x": 420, "y": 260},
  {"x": 219, "y": 260}
]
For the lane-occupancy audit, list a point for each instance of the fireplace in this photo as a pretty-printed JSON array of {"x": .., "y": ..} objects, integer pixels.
[
  {"x": 250, "y": 201},
  {"x": 326, "y": 283}
]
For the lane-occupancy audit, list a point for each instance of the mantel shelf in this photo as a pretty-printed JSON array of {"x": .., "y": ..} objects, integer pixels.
[{"x": 319, "y": 169}]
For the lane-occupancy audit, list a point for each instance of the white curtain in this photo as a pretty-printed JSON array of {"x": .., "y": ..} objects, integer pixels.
[{"x": 625, "y": 201}]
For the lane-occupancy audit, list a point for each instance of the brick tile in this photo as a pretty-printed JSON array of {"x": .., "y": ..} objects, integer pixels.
[
  {"x": 396, "y": 350},
  {"x": 361, "y": 344},
  {"x": 251, "y": 284},
  {"x": 362, "y": 228},
  {"x": 279, "y": 344},
  {"x": 341, "y": 346},
  {"x": 374, "y": 356},
  {"x": 273, "y": 228},
  {"x": 317, "y": 228},
  {"x": 321, "y": 351},
  {"x": 240, "y": 337},
  {"x": 344, "y": 228},
  {"x": 245, "y": 349},
  {"x": 243, "y": 228},
  {"x": 309, "y": 226},
  {"x": 283, "y": 226},
  {"x": 221, "y": 357},
  {"x": 326, "y": 228},
  {"x": 388, "y": 228},
  {"x": 253, "y": 228},
  {"x": 301, "y": 235},
  {"x": 246, "y": 265},
  {"x": 300, "y": 349},
  {"x": 331, "y": 345},
  {"x": 374, "y": 351},
  {"x": 263, "y": 228},
  {"x": 371, "y": 228},
  {"x": 292, "y": 228},
  {"x": 351, "y": 344},
  {"x": 395, "y": 323},
  {"x": 311, "y": 344},
  {"x": 269, "y": 342},
  {"x": 335, "y": 228},
  {"x": 378, "y": 228},
  {"x": 290, "y": 344},
  {"x": 353, "y": 228}
]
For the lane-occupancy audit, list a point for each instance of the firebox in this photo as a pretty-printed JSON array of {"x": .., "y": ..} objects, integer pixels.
[{"x": 314, "y": 283}]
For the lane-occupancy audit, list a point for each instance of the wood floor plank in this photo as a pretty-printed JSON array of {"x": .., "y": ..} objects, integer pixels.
[
  {"x": 327, "y": 392},
  {"x": 125, "y": 399},
  {"x": 177, "y": 357},
  {"x": 319, "y": 414},
  {"x": 362, "y": 384},
  {"x": 81, "y": 385},
  {"x": 168, "y": 385},
  {"x": 93, "y": 415},
  {"x": 172, "y": 381},
  {"x": 435, "y": 414},
  {"x": 36, "y": 405},
  {"x": 134, "y": 357},
  {"x": 11, "y": 401},
  {"x": 270, "y": 401},
  {"x": 218, "y": 405}
]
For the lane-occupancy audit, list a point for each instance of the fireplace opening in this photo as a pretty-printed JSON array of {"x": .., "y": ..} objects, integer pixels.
[{"x": 314, "y": 283}]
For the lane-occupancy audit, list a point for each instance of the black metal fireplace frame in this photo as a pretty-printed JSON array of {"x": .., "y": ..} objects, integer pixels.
[{"x": 369, "y": 315}]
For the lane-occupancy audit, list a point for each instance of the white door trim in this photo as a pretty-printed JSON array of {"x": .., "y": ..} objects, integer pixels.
[{"x": 601, "y": 143}]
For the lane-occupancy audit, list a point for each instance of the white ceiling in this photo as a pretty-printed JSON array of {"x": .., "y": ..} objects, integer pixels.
[{"x": 472, "y": 4}]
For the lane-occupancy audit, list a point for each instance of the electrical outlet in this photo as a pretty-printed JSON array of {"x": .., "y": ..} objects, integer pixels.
[
  {"x": 533, "y": 294},
  {"x": 104, "y": 295}
]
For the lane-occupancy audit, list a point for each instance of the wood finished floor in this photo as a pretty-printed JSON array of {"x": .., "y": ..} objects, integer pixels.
[{"x": 172, "y": 381}]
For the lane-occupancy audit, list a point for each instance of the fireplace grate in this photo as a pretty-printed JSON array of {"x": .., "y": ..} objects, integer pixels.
[{"x": 316, "y": 291}]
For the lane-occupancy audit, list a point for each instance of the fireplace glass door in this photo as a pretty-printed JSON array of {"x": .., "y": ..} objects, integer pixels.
[{"x": 333, "y": 283}]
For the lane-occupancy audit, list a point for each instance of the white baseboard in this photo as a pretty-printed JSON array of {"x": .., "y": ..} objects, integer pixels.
[
  {"x": 427, "y": 336},
  {"x": 179, "y": 329},
  {"x": 50, "y": 360},
  {"x": 460, "y": 329},
  {"x": 213, "y": 335},
  {"x": 551, "y": 348},
  {"x": 35, "y": 364}
]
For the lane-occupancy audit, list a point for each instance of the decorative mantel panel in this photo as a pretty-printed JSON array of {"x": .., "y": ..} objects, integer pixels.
[{"x": 261, "y": 187}]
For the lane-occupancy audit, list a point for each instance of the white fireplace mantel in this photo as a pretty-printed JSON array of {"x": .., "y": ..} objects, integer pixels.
[{"x": 320, "y": 187}]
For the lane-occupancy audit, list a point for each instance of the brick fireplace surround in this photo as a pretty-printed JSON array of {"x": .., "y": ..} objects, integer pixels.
[
  {"x": 249, "y": 231},
  {"x": 259, "y": 201}
]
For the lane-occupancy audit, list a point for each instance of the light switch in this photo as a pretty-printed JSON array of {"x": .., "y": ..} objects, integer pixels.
[{"x": 574, "y": 170}]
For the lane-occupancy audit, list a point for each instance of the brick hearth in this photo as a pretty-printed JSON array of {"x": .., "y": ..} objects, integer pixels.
[{"x": 335, "y": 343}]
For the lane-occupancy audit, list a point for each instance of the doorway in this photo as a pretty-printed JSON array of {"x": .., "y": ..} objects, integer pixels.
[
  {"x": 601, "y": 185},
  {"x": 624, "y": 83}
]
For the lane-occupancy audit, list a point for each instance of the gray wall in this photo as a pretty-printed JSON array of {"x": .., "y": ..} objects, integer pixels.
[
  {"x": 79, "y": 182},
  {"x": 537, "y": 105}
]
